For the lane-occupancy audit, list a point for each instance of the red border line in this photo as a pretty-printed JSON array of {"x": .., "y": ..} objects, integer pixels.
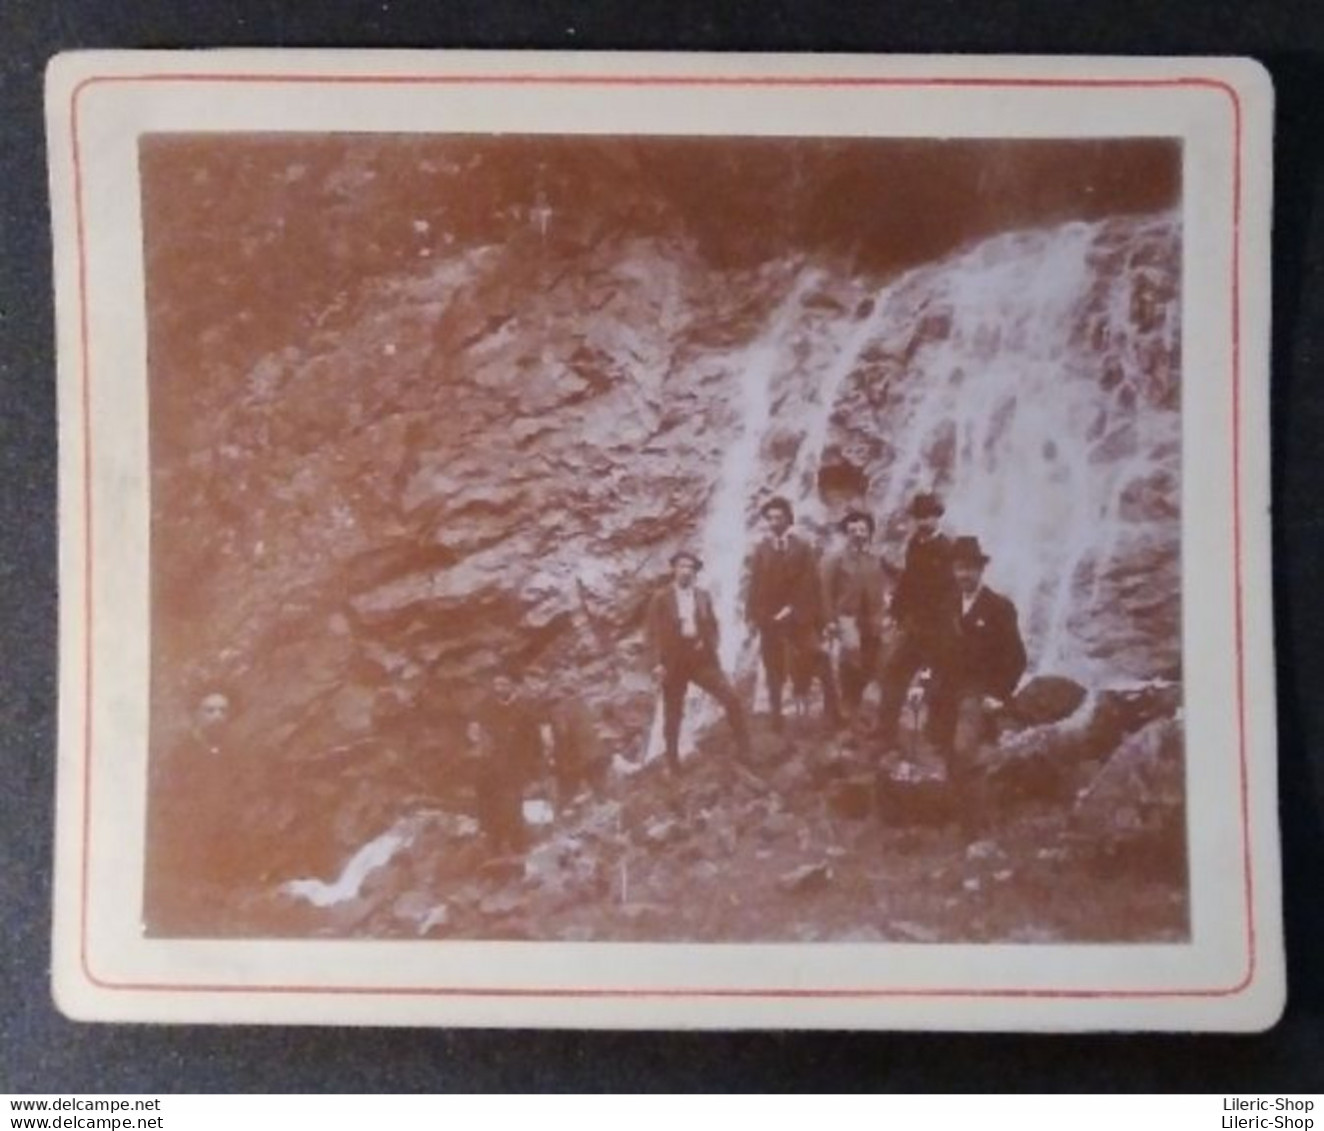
[{"x": 755, "y": 81}]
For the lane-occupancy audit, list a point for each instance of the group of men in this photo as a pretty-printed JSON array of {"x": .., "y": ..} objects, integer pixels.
[
  {"x": 846, "y": 621},
  {"x": 842, "y": 622}
]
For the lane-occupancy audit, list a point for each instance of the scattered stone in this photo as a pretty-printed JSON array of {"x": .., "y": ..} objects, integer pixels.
[
  {"x": 1002, "y": 875},
  {"x": 439, "y": 916},
  {"x": 972, "y": 883},
  {"x": 538, "y": 811},
  {"x": 500, "y": 904},
  {"x": 913, "y": 932},
  {"x": 661, "y": 831},
  {"x": 806, "y": 878},
  {"x": 982, "y": 850},
  {"x": 412, "y": 905}
]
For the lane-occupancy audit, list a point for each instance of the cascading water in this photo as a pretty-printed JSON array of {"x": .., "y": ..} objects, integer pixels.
[
  {"x": 1033, "y": 380},
  {"x": 1037, "y": 388}
]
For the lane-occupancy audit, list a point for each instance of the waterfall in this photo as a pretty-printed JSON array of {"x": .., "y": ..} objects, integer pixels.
[
  {"x": 1031, "y": 379},
  {"x": 1037, "y": 389}
]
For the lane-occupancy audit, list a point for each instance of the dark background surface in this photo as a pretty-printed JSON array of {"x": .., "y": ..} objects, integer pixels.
[{"x": 40, "y": 1051}]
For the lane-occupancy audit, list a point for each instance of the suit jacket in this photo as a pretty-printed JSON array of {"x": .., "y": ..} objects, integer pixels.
[
  {"x": 854, "y": 586},
  {"x": 988, "y": 655},
  {"x": 513, "y": 746},
  {"x": 780, "y": 579},
  {"x": 925, "y": 592},
  {"x": 665, "y": 639}
]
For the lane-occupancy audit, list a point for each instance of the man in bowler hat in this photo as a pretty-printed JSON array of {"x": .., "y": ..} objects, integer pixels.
[
  {"x": 784, "y": 606},
  {"x": 984, "y": 664},
  {"x": 854, "y": 589},
  {"x": 920, "y": 612},
  {"x": 683, "y": 637}
]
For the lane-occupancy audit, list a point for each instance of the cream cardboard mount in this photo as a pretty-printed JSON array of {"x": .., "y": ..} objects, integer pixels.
[{"x": 386, "y": 376}]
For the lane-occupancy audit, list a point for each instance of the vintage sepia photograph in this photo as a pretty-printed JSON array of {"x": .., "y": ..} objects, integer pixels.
[
  {"x": 666, "y": 539},
  {"x": 633, "y": 540}
]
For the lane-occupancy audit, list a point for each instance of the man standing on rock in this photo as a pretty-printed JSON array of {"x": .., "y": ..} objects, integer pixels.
[
  {"x": 784, "y": 607},
  {"x": 920, "y": 613},
  {"x": 983, "y": 665},
  {"x": 683, "y": 637},
  {"x": 853, "y": 594},
  {"x": 507, "y": 746}
]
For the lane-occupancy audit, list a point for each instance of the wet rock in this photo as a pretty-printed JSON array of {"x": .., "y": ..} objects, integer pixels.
[
  {"x": 1047, "y": 762},
  {"x": 805, "y": 879},
  {"x": 1122, "y": 711},
  {"x": 1140, "y": 789}
]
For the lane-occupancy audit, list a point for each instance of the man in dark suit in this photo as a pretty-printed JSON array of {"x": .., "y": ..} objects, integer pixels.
[
  {"x": 784, "y": 606},
  {"x": 683, "y": 636},
  {"x": 984, "y": 663},
  {"x": 507, "y": 748},
  {"x": 920, "y": 613},
  {"x": 854, "y": 590}
]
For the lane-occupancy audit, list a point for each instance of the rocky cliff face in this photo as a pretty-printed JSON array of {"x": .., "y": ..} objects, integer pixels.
[{"x": 487, "y": 458}]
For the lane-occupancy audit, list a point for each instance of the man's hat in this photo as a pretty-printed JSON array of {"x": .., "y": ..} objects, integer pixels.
[
  {"x": 926, "y": 505},
  {"x": 778, "y": 503},
  {"x": 685, "y": 555},
  {"x": 966, "y": 551},
  {"x": 858, "y": 516}
]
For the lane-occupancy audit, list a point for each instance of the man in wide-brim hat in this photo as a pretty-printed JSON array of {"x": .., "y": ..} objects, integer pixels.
[
  {"x": 920, "y": 612},
  {"x": 985, "y": 662},
  {"x": 683, "y": 638},
  {"x": 854, "y": 591},
  {"x": 784, "y": 606}
]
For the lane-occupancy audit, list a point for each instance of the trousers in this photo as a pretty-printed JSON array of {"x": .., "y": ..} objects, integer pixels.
[
  {"x": 699, "y": 666},
  {"x": 912, "y": 652},
  {"x": 794, "y": 651}
]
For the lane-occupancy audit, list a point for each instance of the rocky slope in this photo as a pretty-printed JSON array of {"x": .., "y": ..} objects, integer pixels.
[{"x": 484, "y": 455}]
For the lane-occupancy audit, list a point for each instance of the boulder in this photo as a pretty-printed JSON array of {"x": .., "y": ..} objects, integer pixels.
[
  {"x": 807, "y": 878},
  {"x": 1139, "y": 791},
  {"x": 1047, "y": 699}
]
